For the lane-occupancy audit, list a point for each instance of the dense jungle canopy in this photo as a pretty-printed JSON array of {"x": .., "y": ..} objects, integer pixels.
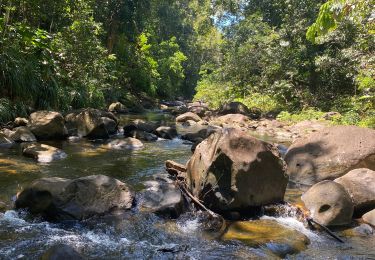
[{"x": 299, "y": 57}]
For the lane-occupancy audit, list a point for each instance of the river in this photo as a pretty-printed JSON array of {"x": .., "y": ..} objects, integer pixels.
[{"x": 132, "y": 234}]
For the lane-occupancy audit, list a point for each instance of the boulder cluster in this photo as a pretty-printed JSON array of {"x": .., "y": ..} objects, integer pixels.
[{"x": 230, "y": 172}]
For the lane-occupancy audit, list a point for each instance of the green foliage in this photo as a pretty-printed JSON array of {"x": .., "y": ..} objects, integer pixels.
[
  {"x": 329, "y": 13},
  {"x": 307, "y": 114}
]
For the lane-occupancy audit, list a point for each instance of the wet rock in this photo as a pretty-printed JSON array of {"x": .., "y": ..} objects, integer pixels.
[
  {"x": 369, "y": 217},
  {"x": 5, "y": 141},
  {"x": 62, "y": 199},
  {"x": 166, "y": 132},
  {"x": 234, "y": 108},
  {"x": 22, "y": 134},
  {"x": 117, "y": 107},
  {"x": 188, "y": 116},
  {"x": 362, "y": 230},
  {"x": 162, "y": 197},
  {"x": 47, "y": 125},
  {"x": 329, "y": 204},
  {"x": 360, "y": 184},
  {"x": 277, "y": 238},
  {"x": 61, "y": 252},
  {"x": 142, "y": 125},
  {"x": 91, "y": 123},
  {"x": 195, "y": 134},
  {"x": 232, "y": 170},
  {"x": 125, "y": 144},
  {"x": 141, "y": 135},
  {"x": 141, "y": 130},
  {"x": 43, "y": 153},
  {"x": 331, "y": 153},
  {"x": 20, "y": 121}
]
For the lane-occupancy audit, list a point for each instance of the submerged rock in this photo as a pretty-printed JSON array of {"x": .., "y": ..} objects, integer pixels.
[
  {"x": 277, "y": 238},
  {"x": 64, "y": 199},
  {"x": 162, "y": 197},
  {"x": 232, "y": 170},
  {"x": 47, "y": 125},
  {"x": 188, "y": 116},
  {"x": 91, "y": 123},
  {"x": 43, "y": 153},
  {"x": 331, "y": 153},
  {"x": 61, "y": 252},
  {"x": 360, "y": 184},
  {"x": 329, "y": 204},
  {"x": 127, "y": 144}
]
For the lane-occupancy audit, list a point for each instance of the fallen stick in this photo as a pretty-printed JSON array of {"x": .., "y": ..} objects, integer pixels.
[
  {"x": 329, "y": 232},
  {"x": 191, "y": 196}
]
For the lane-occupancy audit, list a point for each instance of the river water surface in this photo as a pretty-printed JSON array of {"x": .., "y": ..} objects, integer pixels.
[{"x": 132, "y": 235}]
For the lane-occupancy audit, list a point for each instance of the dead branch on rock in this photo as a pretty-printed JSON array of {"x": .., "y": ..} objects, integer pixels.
[
  {"x": 329, "y": 232},
  {"x": 181, "y": 185},
  {"x": 306, "y": 216}
]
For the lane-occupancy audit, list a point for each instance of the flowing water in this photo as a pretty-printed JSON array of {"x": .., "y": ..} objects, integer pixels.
[{"x": 132, "y": 234}]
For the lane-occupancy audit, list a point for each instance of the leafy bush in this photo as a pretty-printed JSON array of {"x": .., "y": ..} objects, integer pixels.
[{"x": 307, "y": 114}]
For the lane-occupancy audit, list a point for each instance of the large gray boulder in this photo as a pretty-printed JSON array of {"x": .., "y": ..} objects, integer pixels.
[
  {"x": 47, "y": 125},
  {"x": 360, "y": 184},
  {"x": 232, "y": 170},
  {"x": 64, "y": 199},
  {"x": 329, "y": 203},
  {"x": 91, "y": 123},
  {"x": 163, "y": 197},
  {"x": 330, "y": 153}
]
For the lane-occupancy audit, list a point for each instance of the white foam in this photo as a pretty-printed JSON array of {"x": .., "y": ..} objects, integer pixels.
[
  {"x": 296, "y": 225},
  {"x": 189, "y": 226}
]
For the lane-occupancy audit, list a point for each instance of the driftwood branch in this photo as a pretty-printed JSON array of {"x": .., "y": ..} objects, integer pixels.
[
  {"x": 305, "y": 215},
  {"x": 329, "y": 232},
  {"x": 196, "y": 200}
]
